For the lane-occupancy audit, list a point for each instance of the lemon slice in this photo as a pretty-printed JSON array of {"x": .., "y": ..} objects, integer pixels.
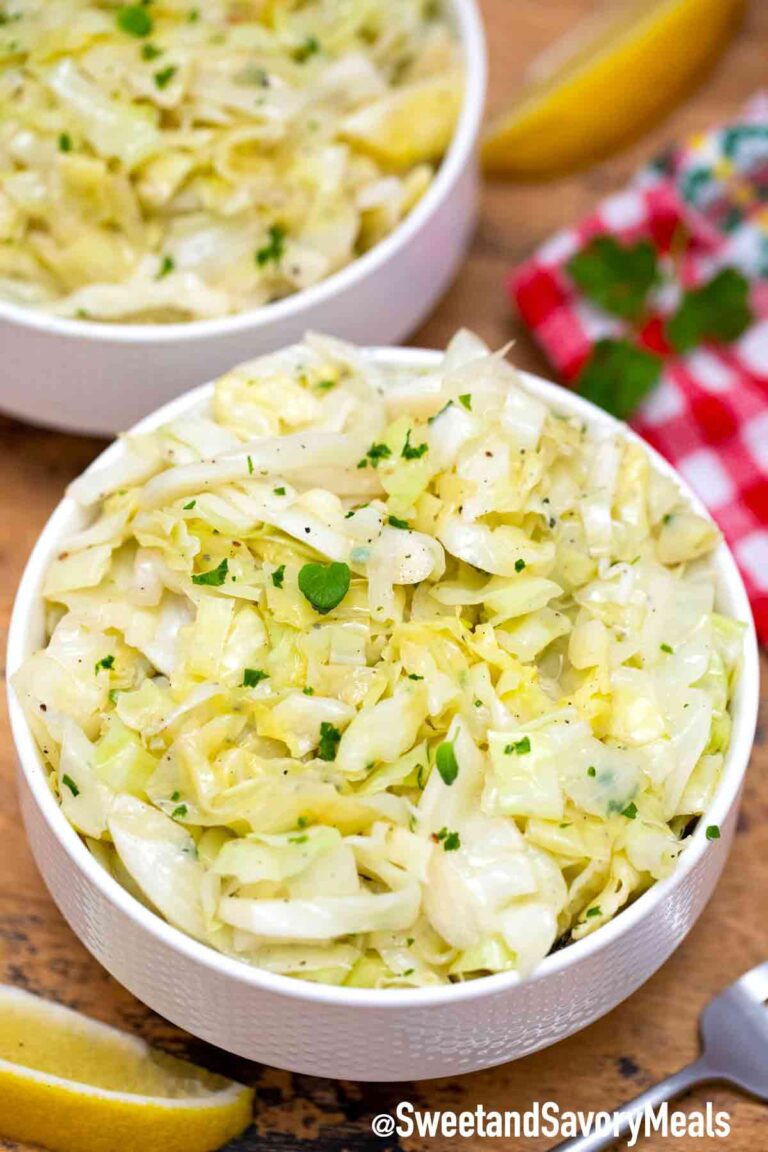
[
  {"x": 74, "y": 1085},
  {"x": 412, "y": 125},
  {"x": 630, "y": 70}
]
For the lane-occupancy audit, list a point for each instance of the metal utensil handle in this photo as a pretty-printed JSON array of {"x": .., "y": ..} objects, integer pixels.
[{"x": 669, "y": 1089}]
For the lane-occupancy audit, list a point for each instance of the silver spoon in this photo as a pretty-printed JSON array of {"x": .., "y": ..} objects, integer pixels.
[{"x": 734, "y": 1035}]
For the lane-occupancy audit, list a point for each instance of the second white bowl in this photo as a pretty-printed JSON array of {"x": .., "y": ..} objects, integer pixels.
[{"x": 82, "y": 376}]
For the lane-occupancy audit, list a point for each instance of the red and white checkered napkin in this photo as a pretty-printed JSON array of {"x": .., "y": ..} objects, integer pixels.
[{"x": 709, "y": 413}]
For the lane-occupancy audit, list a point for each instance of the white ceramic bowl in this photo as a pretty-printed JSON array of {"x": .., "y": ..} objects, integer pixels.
[
  {"x": 100, "y": 378},
  {"x": 362, "y": 1034}
]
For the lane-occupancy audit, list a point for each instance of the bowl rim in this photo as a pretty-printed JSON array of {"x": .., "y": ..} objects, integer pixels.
[
  {"x": 745, "y": 709},
  {"x": 471, "y": 36}
]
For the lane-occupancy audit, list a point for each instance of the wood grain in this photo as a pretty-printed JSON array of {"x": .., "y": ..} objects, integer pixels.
[{"x": 655, "y": 1031}]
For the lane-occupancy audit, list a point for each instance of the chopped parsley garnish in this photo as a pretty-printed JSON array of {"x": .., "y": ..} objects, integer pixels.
[
  {"x": 310, "y": 47},
  {"x": 595, "y": 911},
  {"x": 466, "y": 400},
  {"x": 250, "y": 465},
  {"x": 395, "y": 522},
  {"x": 190, "y": 506},
  {"x": 65, "y": 142},
  {"x": 444, "y": 408},
  {"x": 666, "y": 648},
  {"x": 446, "y": 762},
  {"x": 324, "y": 585},
  {"x": 324, "y": 385},
  {"x": 592, "y": 771},
  {"x": 215, "y": 578},
  {"x": 165, "y": 75},
  {"x": 409, "y": 972},
  {"x": 413, "y": 676},
  {"x": 329, "y": 741},
  {"x": 413, "y": 452},
  {"x": 375, "y": 453},
  {"x": 713, "y": 832},
  {"x": 253, "y": 676},
  {"x": 449, "y": 840},
  {"x": 278, "y": 576},
  {"x": 166, "y": 267},
  {"x": 519, "y": 564},
  {"x": 134, "y": 19},
  {"x": 70, "y": 784},
  {"x": 302, "y": 821},
  {"x": 298, "y": 839},
  {"x": 308, "y": 691},
  {"x": 279, "y": 491},
  {"x": 274, "y": 249},
  {"x": 175, "y": 797},
  {"x": 519, "y": 747},
  {"x": 150, "y": 51},
  {"x": 630, "y": 811},
  {"x": 105, "y": 662},
  {"x": 180, "y": 812}
]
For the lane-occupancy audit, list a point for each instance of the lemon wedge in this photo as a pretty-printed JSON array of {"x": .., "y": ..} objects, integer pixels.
[
  {"x": 413, "y": 125},
  {"x": 628, "y": 71},
  {"x": 75, "y": 1085}
]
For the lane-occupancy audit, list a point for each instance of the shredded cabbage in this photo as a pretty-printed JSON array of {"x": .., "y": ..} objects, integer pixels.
[
  {"x": 383, "y": 676},
  {"x": 169, "y": 162}
]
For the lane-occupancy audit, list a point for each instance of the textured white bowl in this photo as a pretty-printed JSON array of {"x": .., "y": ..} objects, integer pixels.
[
  {"x": 362, "y": 1034},
  {"x": 83, "y": 376}
]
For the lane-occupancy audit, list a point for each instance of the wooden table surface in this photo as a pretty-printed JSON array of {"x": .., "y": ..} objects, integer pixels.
[{"x": 655, "y": 1031}]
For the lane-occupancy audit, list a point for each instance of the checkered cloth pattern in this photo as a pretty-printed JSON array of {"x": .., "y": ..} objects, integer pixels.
[{"x": 704, "y": 207}]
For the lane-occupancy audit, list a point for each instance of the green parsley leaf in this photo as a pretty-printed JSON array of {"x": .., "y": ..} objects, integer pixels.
[
  {"x": 449, "y": 840},
  {"x": 413, "y": 676},
  {"x": 278, "y": 576},
  {"x": 298, "y": 839},
  {"x": 329, "y": 741},
  {"x": 250, "y": 465},
  {"x": 410, "y": 452},
  {"x": 180, "y": 812},
  {"x": 65, "y": 142},
  {"x": 519, "y": 564},
  {"x": 394, "y": 522},
  {"x": 190, "y": 506},
  {"x": 166, "y": 267},
  {"x": 106, "y": 662},
  {"x": 310, "y": 47},
  {"x": 519, "y": 747},
  {"x": 253, "y": 676},
  {"x": 70, "y": 784},
  {"x": 324, "y": 585},
  {"x": 595, "y": 911},
  {"x": 617, "y": 376},
  {"x": 274, "y": 249},
  {"x": 718, "y": 310},
  {"x": 666, "y": 648},
  {"x": 150, "y": 51},
  {"x": 308, "y": 691},
  {"x": 592, "y": 771},
  {"x": 630, "y": 811},
  {"x": 324, "y": 385},
  {"x": 446, "y": 762},
  {"x": 302, "y": 822},
  {"x": 713, "y": 832},
  {"x": 375, "y": 453},
  {"x": 175, "y": 797},
  {"x": 444, "y": 408},
  {"x": 215, "y": 578},
  {"x": 279, "y": 491},
  {"x": 466, "y": 400},
  {"x": 409, "y": 972},
  {"x": 134, "y": 19},
  {"x": 165, "y": 75},
  {"x": 617, "y": 278}
]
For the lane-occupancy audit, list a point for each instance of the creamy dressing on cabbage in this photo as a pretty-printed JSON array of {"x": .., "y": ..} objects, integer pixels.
[
  {"x": 168, "y": 161},
  {"x": 382, "y": 676}
]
